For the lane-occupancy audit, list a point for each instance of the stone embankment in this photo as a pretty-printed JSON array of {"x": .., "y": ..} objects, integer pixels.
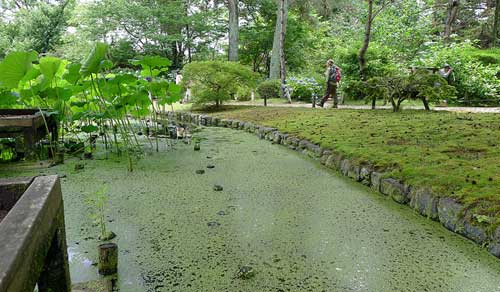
[{"x": 449, "y": 212}]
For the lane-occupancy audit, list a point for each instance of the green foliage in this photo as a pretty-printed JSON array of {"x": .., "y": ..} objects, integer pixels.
[
  {"x": 152, "y": 66},
  {"x": 304, "y": 88},
  {"x": 33, "y": 25},
  {"x": 121, "y": 52},
  {"x": 94, "y": 60},
  {"x": 166, "y": 92},
  {"x": 485, "y": 56},
  {"x": 14, "y": 67},
  {"x": 269, "y": 89},
  {"x": 433, "y": 87},
  {"x": 83, "y": 97},
  {"x": 97, "y": 202},
  {"x": 422, "y": 85},
  {"x": 380, "y": 62},
  {"x": 355, "y": 89},
  {"x": 244, "y": 94},
  {"x": 72, "y": 75},
  {"x": 476, "y": 81},
  {"x": 216, "y": 81},
  {"x": 50, "y": 66}
]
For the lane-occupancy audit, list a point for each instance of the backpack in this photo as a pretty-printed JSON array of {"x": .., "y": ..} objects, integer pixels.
[
  {"x": 335, "y": 75},
  {"x": 339, "y": 75}
]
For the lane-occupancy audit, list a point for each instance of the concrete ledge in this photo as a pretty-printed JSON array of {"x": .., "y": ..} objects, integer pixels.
[
  {"x": 11, "y": 190},
  {"x": 445, "y": 210},
  {"x": 33, "y": 242}
]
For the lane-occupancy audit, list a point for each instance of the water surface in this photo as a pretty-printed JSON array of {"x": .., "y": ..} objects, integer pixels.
[{"x": 300, "y": 226}]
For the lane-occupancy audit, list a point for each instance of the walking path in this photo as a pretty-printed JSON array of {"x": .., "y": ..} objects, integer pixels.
[{"x": 367, "y": 107}]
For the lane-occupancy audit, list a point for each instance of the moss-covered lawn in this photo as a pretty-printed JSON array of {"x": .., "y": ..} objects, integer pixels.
[{"x": 458, "y": 154}]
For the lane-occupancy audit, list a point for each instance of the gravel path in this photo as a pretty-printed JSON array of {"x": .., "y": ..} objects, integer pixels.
[{"x": 367, "y": 107}]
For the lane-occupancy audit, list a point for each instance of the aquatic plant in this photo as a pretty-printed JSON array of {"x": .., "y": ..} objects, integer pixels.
[
  {"x": 91, "y": 97},
  {"x": 98, "y": 201}
]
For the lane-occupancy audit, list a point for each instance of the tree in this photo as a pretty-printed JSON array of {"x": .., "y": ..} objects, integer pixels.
[
  {"x": 175, "y": 29},
  {"x": 33, "y": 25},
  {"x": 217, "y": 81},
  {"x": 233, "y": 30},
  {"x": 495, "y": 23},
  {"x": 367, "y": 36},
  {"x": 275, "y": 69},
  {"x": 452, "y": 13},
  {"x": 366, "y": 41}
]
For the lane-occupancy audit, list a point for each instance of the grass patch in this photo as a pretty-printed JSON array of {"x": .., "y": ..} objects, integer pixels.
[{"x": 458, "y": 154}]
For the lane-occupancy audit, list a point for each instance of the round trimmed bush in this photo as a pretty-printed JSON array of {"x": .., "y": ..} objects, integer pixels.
[{"x": 270, "y": 89}]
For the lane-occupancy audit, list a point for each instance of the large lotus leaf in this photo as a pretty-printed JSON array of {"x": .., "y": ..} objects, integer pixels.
[
  {"x": 169, "y": 93},
  {"x": 49, "y": 66},
  {"x": 159, "y": 88},
  {"x": 14, "y": 67},
  {"x": 106, "y": 64},
  {"x": 138, "y": 98},
  {"x": 72, "y": 74},
  {"x": 57, "y": 93},
  {"x": 92, "y": 63},
  {"x": 89, "y": 128},
  {"x": 8, "y": 98},
  {"x": 174, "y": 90},
  {"x": 78, "y": 104},
  {"x": 124, "y": 79},
  {"x": 173, "y": 93},
  {"x": 140, "y": 113},
  {"x": 32, "y": 74},
  {"x": 77, "y": 115},
  {"x": 107, "y": 88},
  {"x": 150, "y": 72},
  {"x": 76, "y": 89},
  {"x": 152, "y": 62}
]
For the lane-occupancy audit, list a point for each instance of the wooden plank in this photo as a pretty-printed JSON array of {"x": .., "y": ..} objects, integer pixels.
[{"x": 25, "y": 123}]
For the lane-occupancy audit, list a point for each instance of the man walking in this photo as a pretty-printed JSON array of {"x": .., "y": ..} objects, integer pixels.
[{"x": 332, "y": 80}]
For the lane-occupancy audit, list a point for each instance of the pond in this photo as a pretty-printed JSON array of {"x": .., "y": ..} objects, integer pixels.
[{"x": 298, "y": 225}]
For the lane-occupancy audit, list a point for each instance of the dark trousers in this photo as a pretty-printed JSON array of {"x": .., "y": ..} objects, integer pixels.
[{"x": 331, "y": 90}]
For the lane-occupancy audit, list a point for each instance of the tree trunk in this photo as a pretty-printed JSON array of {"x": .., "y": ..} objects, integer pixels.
[
  {"x": 188, "y": 43},
  {"x": 282, "y": 51},
  {"x": 452, "y": 13},
  {"x": 426, "y": 104},
  {"x": 233, "y": 30},
  {"x": 364, "y": 48},
  {"x": 495, "y": 24},
  {"x": 366, "y": 42},
  {"x": 281, "y": 20},
  {"x": 393, "y": 103}
]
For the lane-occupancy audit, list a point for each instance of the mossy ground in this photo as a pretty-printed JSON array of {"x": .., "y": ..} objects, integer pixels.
[{"x": 458, "y": 154}]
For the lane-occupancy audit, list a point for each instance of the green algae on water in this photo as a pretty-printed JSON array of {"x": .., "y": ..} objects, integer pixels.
[{"x": 298, "y": 225}]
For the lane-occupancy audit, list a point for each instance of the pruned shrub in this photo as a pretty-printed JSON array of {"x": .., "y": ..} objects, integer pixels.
[
  {"x": 269, "y": 89},
  {"x": 422, "y": 85},
  {"x": 244, "y": 94}
]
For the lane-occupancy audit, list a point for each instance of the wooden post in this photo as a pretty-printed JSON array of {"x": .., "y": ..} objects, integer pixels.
[{"x": 108, "y": 259}]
